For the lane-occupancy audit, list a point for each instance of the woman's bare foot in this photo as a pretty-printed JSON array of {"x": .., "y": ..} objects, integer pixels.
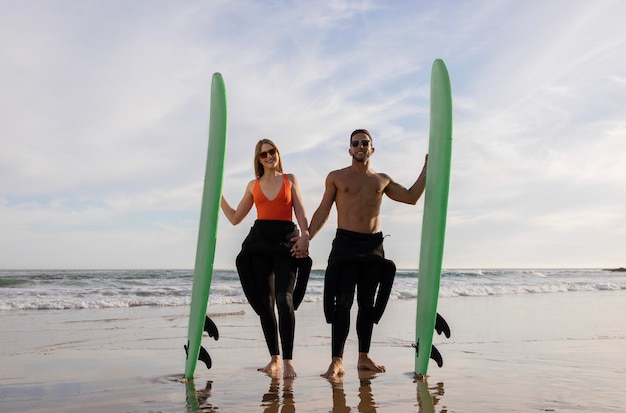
[
  {"x": 273, "y": 368},
  {"x": 288, "y": 370},
  {"x": 335, "y": 370},
  {"x": 366, "y": 363}
]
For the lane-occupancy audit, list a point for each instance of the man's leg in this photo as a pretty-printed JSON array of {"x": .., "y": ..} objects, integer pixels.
[
  {"x": 341, "y": 319},
  {"x": 366, "y": 291}
]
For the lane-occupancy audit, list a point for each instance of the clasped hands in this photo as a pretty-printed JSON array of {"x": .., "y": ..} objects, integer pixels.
[{"x": 300, "y": 247}]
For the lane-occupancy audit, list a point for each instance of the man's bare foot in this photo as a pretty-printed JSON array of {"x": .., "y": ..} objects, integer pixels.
[
  {"x": 288, "y": 370},
  {"x": 366, "y": 363},
  {"x": 335, "y": 370},
  {"x": 273, "y": 368}
]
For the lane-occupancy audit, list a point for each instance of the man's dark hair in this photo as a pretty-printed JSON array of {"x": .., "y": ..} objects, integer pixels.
[{"x": 364, "y": 131}]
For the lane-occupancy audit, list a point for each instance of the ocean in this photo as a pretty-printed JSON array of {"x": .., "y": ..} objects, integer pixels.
[{"x": 95, "y": 289}]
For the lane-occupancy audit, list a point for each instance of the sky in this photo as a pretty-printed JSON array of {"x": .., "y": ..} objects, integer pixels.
[{"x": 104, "y": 118}]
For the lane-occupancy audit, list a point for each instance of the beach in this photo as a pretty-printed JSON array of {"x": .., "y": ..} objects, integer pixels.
[{"x": 557, "y": 352}]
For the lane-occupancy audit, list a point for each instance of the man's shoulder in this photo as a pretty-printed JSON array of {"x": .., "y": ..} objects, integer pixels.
[{"x": 383, "y": 176}]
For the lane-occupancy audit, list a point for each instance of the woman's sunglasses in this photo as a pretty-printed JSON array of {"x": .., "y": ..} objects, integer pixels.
[
  {"x": 264, "y": 154},
  {"x": 364, "y": 142}
]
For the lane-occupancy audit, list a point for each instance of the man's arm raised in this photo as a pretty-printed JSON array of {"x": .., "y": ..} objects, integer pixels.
[{"x": 399, "y": 193}]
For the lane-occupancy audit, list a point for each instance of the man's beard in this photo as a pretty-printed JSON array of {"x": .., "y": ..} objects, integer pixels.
[{"x": 360, "y": 160}]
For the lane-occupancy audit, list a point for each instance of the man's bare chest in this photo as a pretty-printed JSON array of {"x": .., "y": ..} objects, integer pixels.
[{"x": 369, "y": 187}]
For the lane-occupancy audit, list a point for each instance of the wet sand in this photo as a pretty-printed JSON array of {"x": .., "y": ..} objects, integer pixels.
[{"x": 561, "y": 352}]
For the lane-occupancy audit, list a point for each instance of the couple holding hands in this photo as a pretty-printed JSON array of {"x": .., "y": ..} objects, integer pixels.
[{"x": 274, "y": 262}]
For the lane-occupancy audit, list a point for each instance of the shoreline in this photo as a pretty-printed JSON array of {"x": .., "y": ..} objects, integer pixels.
[{"x": 535, "y": 352}]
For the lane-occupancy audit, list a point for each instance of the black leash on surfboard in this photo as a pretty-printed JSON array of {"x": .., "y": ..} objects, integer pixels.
[{"x": 211, "y": 329}]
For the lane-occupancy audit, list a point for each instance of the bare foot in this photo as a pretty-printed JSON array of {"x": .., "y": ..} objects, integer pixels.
[
  {"x": 366, "y": 363},
  {"x": 335, "y": 370},
  {"x": 273, "y": 368},
  {"x": 288, "y": 371}
]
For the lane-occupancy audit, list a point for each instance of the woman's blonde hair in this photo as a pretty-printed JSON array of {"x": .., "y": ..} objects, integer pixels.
[{"x": 258, "y": 166}]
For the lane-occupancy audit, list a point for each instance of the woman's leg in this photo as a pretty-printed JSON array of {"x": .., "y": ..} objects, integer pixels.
[
  {"x": 264, "y": 292},
  {"x": 285, "y": 278},
  {"x": 284, "y": 281}
]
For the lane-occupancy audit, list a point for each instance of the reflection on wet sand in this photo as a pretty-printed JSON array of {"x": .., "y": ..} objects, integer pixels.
[
  {"x": 197, "y": 400},
  {"x": 280, "y": 399},
  {"x": 272, "y": 399},
  {"x": 429, "y": 397},
  {"x": 366, "y": 398},
  {"x": 339, "y": 397},
  {"x": 367, "y": 404}
]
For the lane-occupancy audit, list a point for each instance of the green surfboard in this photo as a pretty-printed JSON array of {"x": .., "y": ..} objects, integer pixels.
[
  {"x": 434, "y": 218},
  {"x": 207, "y": 233}
]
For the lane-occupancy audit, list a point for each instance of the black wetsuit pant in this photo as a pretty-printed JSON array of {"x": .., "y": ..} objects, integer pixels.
[
  {"x": 268, "y": 279},
  {"x": 362, "y": 276},
  {"x": 276, "y": 279}
]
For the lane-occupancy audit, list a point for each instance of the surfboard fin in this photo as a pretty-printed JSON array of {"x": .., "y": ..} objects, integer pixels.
[
  {"x": 441, "y": 326},
  {"x": 211, "y": 328},
  {"x": 434, "y": 354},
  {"x": 203, "y": 356}
]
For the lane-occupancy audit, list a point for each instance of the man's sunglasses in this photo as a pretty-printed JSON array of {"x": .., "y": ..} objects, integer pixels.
[
  {"x": 264, "y": 154},
  {"x": 364, "y": 142}
]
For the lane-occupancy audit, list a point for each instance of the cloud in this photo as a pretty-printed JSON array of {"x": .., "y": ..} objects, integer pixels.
[{"x": 104, "y": 116}]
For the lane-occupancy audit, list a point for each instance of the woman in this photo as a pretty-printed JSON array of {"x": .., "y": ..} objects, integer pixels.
[{"x": 273, "y": 264}]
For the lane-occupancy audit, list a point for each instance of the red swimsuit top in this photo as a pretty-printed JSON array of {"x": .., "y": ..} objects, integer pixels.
[{"x": 279, "y": 208}]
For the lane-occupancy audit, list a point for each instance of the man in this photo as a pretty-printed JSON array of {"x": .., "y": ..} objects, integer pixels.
[{"x": 357, "y": 256}]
